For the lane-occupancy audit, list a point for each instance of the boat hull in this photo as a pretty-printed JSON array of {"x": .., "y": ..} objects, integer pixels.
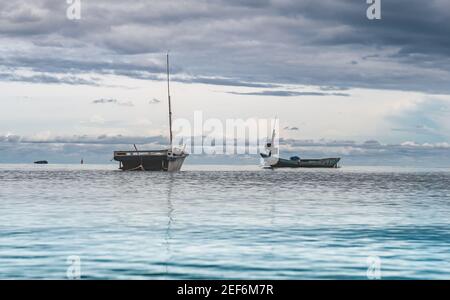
[
  {"x": 320, "y": 163},
  {"x": 149, "y": 161},
  {"x": 304, "y": 163}
]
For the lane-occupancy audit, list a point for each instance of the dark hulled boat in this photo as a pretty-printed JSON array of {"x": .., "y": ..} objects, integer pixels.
[
  {"x": 152, "y": 160},
  {"x": 169, "y": 160},
  {"x": 295, "y": 162}
]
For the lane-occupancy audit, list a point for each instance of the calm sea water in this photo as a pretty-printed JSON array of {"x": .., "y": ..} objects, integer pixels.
[{"x": 224, "y": 223}]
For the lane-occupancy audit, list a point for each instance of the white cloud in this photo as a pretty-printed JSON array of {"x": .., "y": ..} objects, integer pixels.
[{"x": 96, "y": 120}]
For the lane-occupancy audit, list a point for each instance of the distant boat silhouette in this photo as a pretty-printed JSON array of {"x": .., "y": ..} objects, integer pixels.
[{"x": 41, "y": 162}]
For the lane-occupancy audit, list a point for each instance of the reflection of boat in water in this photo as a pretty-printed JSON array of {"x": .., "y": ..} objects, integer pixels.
[
  {"x": 154, "y": 160},
  {"x": 271, "y": 159}
]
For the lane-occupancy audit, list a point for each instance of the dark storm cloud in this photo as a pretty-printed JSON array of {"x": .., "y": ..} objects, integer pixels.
[
  {"x": 49, "y": 79},
  {"x": 135, "y": 69},
  {"x": 325, "y": 43},
  {"x": 61, "y": 65},
  {"x": 226, "y": 82},
  {"x": 333, "y": 88}
]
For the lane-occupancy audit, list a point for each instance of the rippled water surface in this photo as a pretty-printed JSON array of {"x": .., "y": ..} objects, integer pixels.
[{"x": 224, "y": 222}]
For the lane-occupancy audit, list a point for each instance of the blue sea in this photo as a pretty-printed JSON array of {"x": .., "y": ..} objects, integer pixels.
[{"x": 224, "y": 222}]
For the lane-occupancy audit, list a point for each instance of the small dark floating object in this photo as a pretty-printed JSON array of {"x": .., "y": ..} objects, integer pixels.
[{"x": 41, "y": 162}]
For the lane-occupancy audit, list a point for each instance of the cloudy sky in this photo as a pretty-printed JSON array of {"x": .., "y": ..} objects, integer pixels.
[{"x": 340, "y": 84}]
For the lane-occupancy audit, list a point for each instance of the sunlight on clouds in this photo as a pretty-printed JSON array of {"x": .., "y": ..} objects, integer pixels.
[{"x": 66, "y": 109}]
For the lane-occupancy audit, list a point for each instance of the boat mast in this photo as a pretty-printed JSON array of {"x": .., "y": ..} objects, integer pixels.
[
  {"x": 170, "y": 105},
  {"x": 273, "y": 131}
]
